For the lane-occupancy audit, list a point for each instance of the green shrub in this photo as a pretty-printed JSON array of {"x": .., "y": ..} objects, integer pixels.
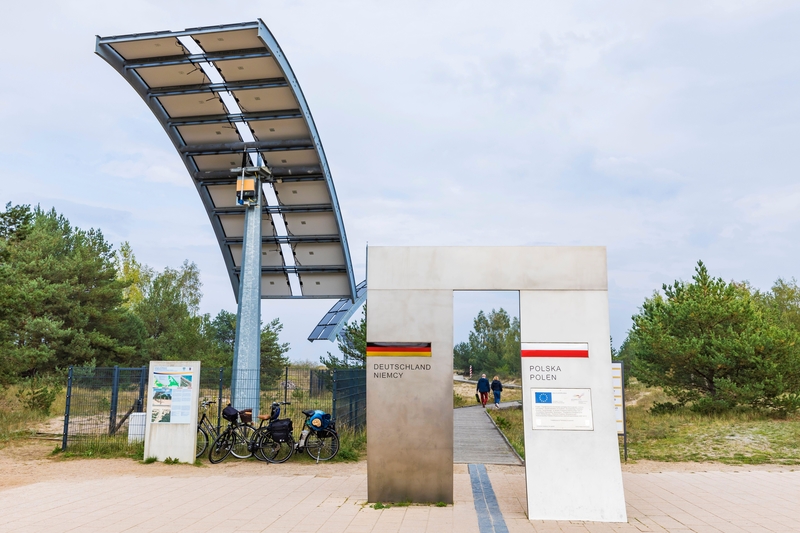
[{"x": 37, "y": 398}]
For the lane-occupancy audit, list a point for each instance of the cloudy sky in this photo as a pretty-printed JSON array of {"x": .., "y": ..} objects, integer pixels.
[{"x": 663, "y": 131}]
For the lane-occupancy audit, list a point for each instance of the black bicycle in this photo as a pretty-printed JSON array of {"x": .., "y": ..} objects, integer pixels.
[
  {"x": 236, "y": 438},
  {"x": 205, "y": 429},
  {"x": 274, "y": 442}
]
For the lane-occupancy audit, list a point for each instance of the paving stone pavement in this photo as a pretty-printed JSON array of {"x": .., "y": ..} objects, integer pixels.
[{"x": 733, "y": 502}]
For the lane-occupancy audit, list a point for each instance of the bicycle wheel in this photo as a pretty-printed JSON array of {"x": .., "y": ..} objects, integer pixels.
[
  {"x": 221, "y": 447},
  {"x": 274, "y": 451},
  {"x": 241, "y": 442},
  {"x": 202, "y": 442},
  {"x": 322, "y": 447}
]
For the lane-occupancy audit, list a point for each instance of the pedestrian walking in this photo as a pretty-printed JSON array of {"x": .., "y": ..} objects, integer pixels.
[
  {"x": 483, "y": 389},
  {"x": 497, "y": 388}
]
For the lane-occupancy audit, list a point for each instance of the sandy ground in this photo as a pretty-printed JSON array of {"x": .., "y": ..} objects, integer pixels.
[{"x": 26, "y": 462}]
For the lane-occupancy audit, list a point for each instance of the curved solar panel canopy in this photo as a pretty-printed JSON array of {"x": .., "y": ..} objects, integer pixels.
[
  {"x": 334, "y": 320},
  {"x": 226, "y": 96}
]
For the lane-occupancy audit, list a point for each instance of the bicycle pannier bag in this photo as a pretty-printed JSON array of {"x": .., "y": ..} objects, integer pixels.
[
  {"x": 230, "y": 414},
  {"x": 281, "y": 429}
]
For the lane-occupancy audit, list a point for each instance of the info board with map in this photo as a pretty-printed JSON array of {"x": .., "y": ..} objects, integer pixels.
[
  {"x": 172, "y": 405},
  {"x": 171, "y": 395}
]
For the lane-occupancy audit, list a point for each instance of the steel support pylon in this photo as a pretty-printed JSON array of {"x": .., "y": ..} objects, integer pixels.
[{"x": 246, "y": 378}]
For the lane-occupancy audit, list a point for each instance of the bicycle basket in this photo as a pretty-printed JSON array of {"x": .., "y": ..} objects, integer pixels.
[
  {"x": 230, "y": 414},
  {"x": 246, "y": 416},
  {"x": 281, "y": 430}
]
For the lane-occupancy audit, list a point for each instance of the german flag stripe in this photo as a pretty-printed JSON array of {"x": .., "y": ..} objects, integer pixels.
[{"x": 399, "y": 349}]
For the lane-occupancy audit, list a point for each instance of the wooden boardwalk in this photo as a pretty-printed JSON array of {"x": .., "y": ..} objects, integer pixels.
[{"x": 476, "y": 440}]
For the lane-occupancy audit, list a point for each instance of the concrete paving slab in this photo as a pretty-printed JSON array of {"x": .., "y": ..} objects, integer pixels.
[{"x": 729, "y": 502}]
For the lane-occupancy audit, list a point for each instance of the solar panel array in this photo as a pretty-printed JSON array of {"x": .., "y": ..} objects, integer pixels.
[
  {"x": 335, "y": 319},
  {"x": 227, "y": 98}
]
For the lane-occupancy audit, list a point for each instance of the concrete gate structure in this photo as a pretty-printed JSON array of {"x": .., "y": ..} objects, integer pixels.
[{"x": 571, "y": 474}]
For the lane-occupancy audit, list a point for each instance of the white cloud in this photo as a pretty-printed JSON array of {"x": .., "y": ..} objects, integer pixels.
[{"x": 666, "y": 131}]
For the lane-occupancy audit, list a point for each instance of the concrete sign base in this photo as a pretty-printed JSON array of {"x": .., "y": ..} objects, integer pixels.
[{"x": 572, "y": 467}]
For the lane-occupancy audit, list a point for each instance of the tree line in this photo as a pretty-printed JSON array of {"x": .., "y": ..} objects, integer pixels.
[
  {"x": 492, "y": 347},
  {"x": 68, "y": 298}
]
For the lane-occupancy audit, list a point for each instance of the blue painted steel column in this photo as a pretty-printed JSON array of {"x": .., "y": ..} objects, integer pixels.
[{"x": 246, "y": 378}]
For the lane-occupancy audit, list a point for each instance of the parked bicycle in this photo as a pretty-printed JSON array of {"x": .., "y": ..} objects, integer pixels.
[
  {"x": 273, "y": 443},
  {"x": 319, "y": 438},
  {"x": 205, "y": 429},
  {"x": 236, "y": 438}
]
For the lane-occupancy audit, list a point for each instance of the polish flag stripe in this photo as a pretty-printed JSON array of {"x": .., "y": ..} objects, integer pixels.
[{"x": 555, "y": 349}]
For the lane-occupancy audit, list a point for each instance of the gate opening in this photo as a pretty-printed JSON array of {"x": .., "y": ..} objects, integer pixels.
[{"x": 486, "y": 341}]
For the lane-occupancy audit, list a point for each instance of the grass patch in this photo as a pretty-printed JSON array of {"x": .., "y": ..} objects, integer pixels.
[
  {"x": 660, "y": 430},
  {"x": 150, "y": 460},
  {"x": 352, "y": 444},
  {"x": 509, "y": 421},
  {"x": 106, "y": 448},
  {"x": 16, "y": 420},
  {"x": 458, "y": 400}
]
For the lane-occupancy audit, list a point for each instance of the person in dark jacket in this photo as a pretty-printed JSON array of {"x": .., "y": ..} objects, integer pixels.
[
  {"x": 483, "y": 388},
  {"x": 497, "y": 388}
]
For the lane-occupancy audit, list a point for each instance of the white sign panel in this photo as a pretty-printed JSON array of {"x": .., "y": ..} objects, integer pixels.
[
  {"x": 616, "y": 380},
  {"x": 562, "y": 409}
]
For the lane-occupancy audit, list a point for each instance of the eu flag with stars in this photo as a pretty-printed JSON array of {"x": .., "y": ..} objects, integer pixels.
[{"x": 544, "y": 397}]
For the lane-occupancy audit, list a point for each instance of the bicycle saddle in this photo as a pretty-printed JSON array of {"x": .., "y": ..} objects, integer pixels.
[
  {"x": 263, "y": 417},
  {"x": 308, "y": 412}
]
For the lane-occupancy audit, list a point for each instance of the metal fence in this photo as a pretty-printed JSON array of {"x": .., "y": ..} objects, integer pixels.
[
  {"x": 103, "y": 403},
  {"x": 350, "y": 397}
]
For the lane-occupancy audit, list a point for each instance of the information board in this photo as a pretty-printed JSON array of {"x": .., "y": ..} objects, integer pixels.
[
  {"x": 562, "y": 409},
  {"x": 171, "y": 395}
]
